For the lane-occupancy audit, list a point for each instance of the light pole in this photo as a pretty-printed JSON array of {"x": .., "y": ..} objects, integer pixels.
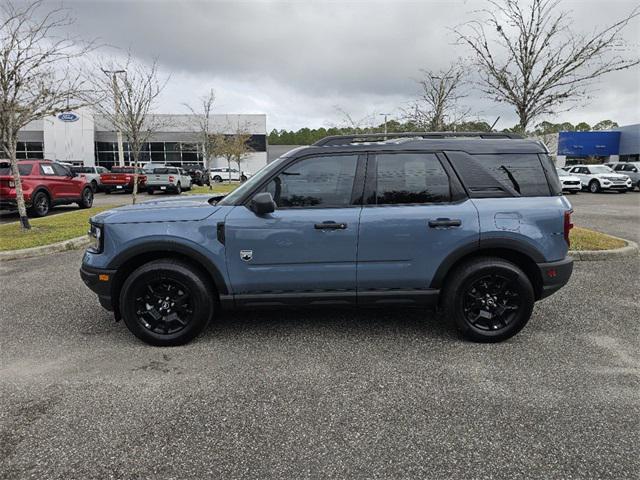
[
  {"x": 116, "y": 99},
  {"x": 385, "y": 115}
]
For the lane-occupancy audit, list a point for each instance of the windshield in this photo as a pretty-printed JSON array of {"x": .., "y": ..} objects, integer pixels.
[
  {"x": 249, "y": 184},
  {"x": 600, "y": 169}
]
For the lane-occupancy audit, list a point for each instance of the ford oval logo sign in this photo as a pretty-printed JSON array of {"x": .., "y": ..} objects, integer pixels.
[{"x": 68, "y": 117}]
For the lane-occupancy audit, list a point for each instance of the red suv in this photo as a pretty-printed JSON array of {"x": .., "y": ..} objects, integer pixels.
[{"x": 44, "y": 184}]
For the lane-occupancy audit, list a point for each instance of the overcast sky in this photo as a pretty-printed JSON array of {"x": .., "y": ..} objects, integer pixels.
[{"x": 297, "y": 60}]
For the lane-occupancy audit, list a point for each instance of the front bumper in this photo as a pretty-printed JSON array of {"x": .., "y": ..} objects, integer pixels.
[
  {"x": 555, "y": 275},
  {"x": 99, "y": 281}
]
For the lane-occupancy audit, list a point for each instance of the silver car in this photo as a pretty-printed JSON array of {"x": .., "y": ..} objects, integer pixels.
[{"x": 630, "y": 169}]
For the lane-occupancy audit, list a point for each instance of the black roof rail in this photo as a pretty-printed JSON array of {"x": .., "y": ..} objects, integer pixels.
[{"x": 381, "y": 137}]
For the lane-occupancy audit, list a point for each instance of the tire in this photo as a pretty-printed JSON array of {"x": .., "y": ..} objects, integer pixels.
[
  {"x": 40, "y": 205},
  {"x": 622, "y": 191},
  {"x": 178, "y": 188},
  {"x": 217, "y": 179},
  {"x": 573, "y": 192},
  {"x": 107, "y": 191},
  {"x": 477, "y": 312},
  {"x": 94, "y": 186},
  {"x": 86, "y": 200},
  {"x": 243, "y": 178},
  {"x": 594, "y": 186},
  {"x": 150, "y": 191},
  {"x": 638, "y": 185},
  {"x": 155, "y": 326}
]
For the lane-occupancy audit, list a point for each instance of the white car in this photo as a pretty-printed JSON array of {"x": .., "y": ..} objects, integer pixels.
[
  {"x": 92, "y": 174},
  {"x": 570, "y": 183},
  {"x": 225, "y": 174},
  {"x": 600, "y": 177},
  {"x": 631, "y": 169}
]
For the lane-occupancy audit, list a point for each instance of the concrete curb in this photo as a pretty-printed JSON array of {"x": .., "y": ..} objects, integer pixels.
[
  {"x": 72, "y": 244},
  {"x": 630, "y": 250}
]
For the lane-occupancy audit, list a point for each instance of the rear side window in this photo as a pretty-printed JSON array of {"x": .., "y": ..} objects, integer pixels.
[
  {"x": 23, "y": 168},
  {"x": 522, "y": 172},
  {"x": 409, "y": 178}
]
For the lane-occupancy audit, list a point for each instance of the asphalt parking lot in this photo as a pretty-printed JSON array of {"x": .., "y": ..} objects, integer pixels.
[{"x": 324, "y": 394}]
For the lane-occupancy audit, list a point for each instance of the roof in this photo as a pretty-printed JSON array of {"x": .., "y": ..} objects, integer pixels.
[{"x": 468, "y": 145}]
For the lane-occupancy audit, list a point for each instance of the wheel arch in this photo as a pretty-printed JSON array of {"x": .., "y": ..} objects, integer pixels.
[
  {"x": 524, "y": 256},
  {"x": 137, "y": 255}
]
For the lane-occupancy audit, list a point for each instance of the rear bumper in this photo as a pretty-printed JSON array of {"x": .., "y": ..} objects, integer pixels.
[
  {"x": 555, "y": 275},
  {"x": 99, "y": 281}
]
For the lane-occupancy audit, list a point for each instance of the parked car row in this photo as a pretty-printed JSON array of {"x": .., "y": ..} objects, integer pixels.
[{"x": 597, "y": 178}]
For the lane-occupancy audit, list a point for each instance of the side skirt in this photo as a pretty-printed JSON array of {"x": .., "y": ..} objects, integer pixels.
[{"x": 422, "y": 298}]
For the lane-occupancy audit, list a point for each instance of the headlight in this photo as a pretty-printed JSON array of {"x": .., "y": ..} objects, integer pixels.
[{"x": 96, "y": 236}]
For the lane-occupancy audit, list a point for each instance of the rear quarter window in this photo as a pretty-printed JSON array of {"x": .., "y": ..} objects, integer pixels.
[
  {"x": 523, "y": 172},
  {"x": 23, "y": 168}
]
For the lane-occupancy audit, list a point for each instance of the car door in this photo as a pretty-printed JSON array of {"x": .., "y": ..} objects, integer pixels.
[
  {"x": 306, "y": 248},
  {"x": 582, "y": 173},
  {"x": 67, "y": 188},
  {"x": 415, "y": 215}
]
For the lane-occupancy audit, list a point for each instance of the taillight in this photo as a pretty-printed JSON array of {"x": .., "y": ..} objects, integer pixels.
[
  {"x": 127, "y": 178},
  {"x": 171, "y": 178},
  {"x": 12, "y": 184},
  {"x": 567, "y": 225}
]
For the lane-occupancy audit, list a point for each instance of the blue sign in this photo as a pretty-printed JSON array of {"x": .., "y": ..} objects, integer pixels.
[
  {"x": 68, "y": 117},
  {"x": 585, "y": 144}
]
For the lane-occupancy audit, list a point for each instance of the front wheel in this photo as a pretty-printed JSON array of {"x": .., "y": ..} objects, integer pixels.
[
  {"x": 166, "y": 302},
  {"x": 217, "y": 179},
  {"x": 86, "y": 199},
  {"x": 488, "y": 299},
  {"x": 594, "y": 186}
]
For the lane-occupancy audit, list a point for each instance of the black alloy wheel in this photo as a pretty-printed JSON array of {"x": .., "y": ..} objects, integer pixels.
[
  {"x": 41, "y": 205},
  {"x": 167, "y": 302},
  {"x": 86, "y": 201},
  {"x": 164, "y": 306},
  {"x": 490, "y": 303},
  {"x": 488, "y": 299}
]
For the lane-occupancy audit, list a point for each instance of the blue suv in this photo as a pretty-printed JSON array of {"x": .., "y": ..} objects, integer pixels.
[{"x": 473, "y": 224}]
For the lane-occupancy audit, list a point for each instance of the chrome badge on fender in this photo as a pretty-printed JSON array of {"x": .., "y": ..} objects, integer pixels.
[{"x": 246, "y": 255}]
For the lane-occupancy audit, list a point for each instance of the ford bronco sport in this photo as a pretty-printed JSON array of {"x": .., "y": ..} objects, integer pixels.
[{"x": 473, "y": 224}]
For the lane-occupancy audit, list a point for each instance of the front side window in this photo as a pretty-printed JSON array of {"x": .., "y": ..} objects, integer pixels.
[
  {"x": 315, "y": 182},
  {"x": 406, "y": 178},
  {"x": 60, "y": 170}
]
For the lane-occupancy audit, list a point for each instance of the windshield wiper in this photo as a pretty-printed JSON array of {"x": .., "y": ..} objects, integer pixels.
[{"x": 516, "y": 185}]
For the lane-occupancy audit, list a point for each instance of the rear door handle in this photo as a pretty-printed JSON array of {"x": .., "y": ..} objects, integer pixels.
[
  {"x": 445, "y": 222},
  {"x": 330, "y": 225}
]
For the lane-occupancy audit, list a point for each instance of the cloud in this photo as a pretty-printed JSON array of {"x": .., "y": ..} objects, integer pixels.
[{"x": 296, "y": 60}]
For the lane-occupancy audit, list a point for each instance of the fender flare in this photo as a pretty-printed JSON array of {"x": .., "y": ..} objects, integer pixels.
[
  {"x": 159, "y": 244},
  {"x": 482, "y": 245}
]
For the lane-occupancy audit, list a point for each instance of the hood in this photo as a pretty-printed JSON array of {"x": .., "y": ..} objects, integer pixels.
[
  {"x": 611, "y": 175},
  {"x": 181, "y": 209}
]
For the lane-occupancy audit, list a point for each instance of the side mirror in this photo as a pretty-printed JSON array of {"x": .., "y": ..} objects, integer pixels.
[
  {"x": 72, "y": 174},
  {"x": 634, "y": 170},
  {"x": 262, "y": 203}
]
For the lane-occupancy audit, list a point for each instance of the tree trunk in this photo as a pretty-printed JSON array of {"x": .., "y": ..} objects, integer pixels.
[
  {"x": 135, "y": 179},
  {"x": 208, "y": 170},
  {"x": 22, "y": 208},
  {"x": 229, "y": 171}
]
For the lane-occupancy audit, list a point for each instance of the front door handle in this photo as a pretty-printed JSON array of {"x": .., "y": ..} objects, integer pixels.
[
  {"x": 445, "y": 222},
  {"x": 330, "y": 225}
]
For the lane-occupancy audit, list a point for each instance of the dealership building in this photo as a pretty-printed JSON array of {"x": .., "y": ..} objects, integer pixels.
[
  {"x": 618, "y": 144},
  {"x": 83, "y": 137}
]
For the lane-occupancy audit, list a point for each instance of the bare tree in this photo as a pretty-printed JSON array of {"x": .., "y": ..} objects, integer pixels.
[
  {"x": 128, "y": 106},
  {"x": 39, "y": 75},
  {"x": 355, "y": 125},
  {"x": 206, "y": 141},
  {"x": 233, "y": 147},
  {"x": 437, "y": 105},
  {"x": 528, "y": 56}
]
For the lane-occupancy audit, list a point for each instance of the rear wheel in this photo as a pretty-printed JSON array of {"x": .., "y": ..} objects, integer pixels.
[
  {"x": 40, "y": 205},
  {"x": 86, "y": 200},
  {"x": 150, "y": 191},
  {"x": 166, "y": 302},
  {"x": 243, "y": 178},
  {"x": 94, "y": 186},
  {"x": 488, "y": 299},
  {"x": 217, "y": 179},
  {"x": 178, "y": 188},
  {"x": 594, "y": 186}
]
